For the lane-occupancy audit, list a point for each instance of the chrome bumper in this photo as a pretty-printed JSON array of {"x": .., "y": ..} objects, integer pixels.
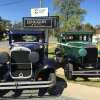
[{"x": 26, "y": 85}]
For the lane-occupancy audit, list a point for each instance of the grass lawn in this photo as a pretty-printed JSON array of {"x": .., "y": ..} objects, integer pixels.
[
  {"x": 98, "y": 45},
  {"x": 51, "y": 49}
]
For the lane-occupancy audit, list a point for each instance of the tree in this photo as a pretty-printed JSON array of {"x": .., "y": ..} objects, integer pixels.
[
  {"x": 89, "y": 27},
  {"x": 5, "y": 25},
  {"x": 86, "y": 27},
  {"x": 17, "y": 25},
  {"x": 70, "y": 13},
  {"x": 97, "y": 28}
]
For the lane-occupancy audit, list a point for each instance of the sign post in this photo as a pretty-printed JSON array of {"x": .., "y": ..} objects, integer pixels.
[
  {"x": 48, "y": 22},
  {"x": 39, "y": 12}
]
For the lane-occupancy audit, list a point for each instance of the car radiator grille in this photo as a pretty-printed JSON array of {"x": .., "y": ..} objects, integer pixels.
[
  {"x": 91, "y": 56},
  {"x": 20, "y": 64}
]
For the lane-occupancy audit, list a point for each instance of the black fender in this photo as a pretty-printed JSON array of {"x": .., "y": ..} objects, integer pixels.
[
  {"x": 4, "y": 71},
  {"x": 44, "y": 73},
  {"x": 73, "y": 60},
  {"x": 50, "y": 63},
  {"x": 47, "y": 68},
  {"x": 70, "y": 59},
  {"x": 58, "y": 52}
]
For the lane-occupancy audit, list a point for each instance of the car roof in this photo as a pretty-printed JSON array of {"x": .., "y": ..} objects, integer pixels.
[
  {"x": 24, "y": 31},
  {"x": 78, "y": 33}
]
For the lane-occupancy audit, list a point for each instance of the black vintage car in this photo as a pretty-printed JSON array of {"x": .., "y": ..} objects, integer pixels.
[{"x": 27, "y": 66}]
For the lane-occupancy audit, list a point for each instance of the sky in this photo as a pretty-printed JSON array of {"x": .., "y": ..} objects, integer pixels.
[
  {"x": 22, "y": 8},
  {"x": 93, "y": 11}
]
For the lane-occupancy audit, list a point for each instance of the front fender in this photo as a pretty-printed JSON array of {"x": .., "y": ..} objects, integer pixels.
[
  {"x": 70, "y": 59},
  {"x": 44, "y": 73},
  {"x": 49, "y": 67}
]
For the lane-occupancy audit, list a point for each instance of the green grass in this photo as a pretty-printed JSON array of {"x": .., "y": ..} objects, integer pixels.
[
  {"x": 51, "y": 52},
  {"x": 98, "y": 46}
]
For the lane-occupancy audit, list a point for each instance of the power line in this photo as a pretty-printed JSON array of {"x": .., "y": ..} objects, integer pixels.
[{"x": 11, "y": 3}]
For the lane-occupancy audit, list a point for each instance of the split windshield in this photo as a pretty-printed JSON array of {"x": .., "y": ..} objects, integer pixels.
[
  {"x": 77, "y": 38},
  {"x": 27, "y": 38}
]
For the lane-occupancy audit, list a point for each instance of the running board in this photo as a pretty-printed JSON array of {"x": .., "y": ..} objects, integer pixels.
[{"x": 87, "y": 73}]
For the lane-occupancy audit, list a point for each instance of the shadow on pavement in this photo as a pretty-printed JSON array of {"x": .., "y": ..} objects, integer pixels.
[{"x": 19, "y": 95}]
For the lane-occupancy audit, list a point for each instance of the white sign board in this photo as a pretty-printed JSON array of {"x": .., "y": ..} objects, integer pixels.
[{"x": 39, "y": 12}]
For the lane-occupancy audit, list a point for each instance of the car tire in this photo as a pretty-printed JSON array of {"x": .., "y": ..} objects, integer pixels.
[
  {"x": 55, "y": 90},
  {"x": 3, "y": 92},
  {"x": 17, "y": 93},
  {"x": 68, "y": 72},
  {"x": 42, "y": 91},
  {"x": 85, "y": 78}
]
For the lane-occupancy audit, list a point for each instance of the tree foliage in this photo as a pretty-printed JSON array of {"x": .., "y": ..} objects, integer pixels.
[
  {"x": 89, "y": 27},
  {"x": 97, "y": 28},
  {"x": 70, "y": 13},
  {"x": 4, "y": 25},
  {"x": 86, "y": 27},
  {"x": 17, "y": 25}
]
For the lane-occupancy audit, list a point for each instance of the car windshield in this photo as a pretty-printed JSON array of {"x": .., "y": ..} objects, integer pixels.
[
  {"x": 77, "y": 38},
  {"x": 78, "y": 44},
  {"x": 27, "y": 38}
]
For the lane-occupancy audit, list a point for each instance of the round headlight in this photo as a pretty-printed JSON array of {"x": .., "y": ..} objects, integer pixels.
[
  {"x": 41, "y": 46},
  {"x": 82, "y": 52},
  {"x": 34, "y": 57}
]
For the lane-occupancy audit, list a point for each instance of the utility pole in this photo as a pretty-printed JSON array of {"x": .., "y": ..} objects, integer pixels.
[{"x": 41, "y": 3}]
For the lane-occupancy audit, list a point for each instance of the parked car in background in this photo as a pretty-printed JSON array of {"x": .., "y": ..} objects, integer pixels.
[{"x": 79, "y": 55}]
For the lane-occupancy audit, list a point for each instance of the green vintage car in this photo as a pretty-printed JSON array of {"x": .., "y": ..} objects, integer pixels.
[{"x": 79, "y": 55}]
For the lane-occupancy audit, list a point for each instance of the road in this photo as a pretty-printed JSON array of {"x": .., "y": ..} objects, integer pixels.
[
  {"x": 4, "y": 44},
  {"x": 32, "y": 95},
  {"x": 72, "y": 92}
]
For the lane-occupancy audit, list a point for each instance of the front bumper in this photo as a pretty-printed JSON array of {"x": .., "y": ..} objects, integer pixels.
[{"x": 26, "y": 85}]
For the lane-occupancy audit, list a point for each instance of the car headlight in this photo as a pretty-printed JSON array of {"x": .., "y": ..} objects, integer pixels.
[
  {"x": 41, "y": 46},
  {"x": 82, "y": 52}
]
